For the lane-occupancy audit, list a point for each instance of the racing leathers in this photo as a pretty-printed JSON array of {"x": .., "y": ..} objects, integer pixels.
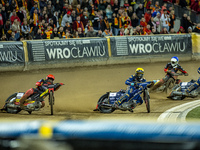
[
  {"x": 169, "y": 70},
  {"x": 41, "y": 86},
  {"x": 193, "y": 87},
  {"x": 133, "y": 91}
]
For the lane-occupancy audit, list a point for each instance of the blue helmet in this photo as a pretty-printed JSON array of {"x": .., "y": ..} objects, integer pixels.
[
  {"x": 174, "y": 61},
  {"x": 198, "y": 70}
]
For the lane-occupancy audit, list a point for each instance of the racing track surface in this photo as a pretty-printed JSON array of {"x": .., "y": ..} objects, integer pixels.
[{"x": 83, "y": 87}]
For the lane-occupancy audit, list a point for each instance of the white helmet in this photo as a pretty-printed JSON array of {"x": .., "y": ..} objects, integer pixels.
[{"x": 174, "y": 61}]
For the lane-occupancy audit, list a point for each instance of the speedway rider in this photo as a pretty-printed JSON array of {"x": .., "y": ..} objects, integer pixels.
[
  {"x": 171, "y": 67},
  {"x": 131, "y": 94},
  {"x": 41, "y": 86}
]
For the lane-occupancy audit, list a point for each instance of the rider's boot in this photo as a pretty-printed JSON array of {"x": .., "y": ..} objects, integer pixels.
[{"x": 21, "y": 101}]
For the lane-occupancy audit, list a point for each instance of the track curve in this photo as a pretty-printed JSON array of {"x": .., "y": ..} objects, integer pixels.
[{"x": 83, "y": 87}]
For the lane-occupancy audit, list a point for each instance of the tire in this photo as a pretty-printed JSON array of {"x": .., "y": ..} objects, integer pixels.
[
  {"x": 147, "y": 100},
  {"x": 104, "y": 99},
  {"x": 51, "y": 97},
  {"x": 169, "y": 85},
  {"x": 15, "y": 111}
]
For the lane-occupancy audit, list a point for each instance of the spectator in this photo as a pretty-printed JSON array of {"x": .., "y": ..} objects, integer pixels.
[
  {"x": 157, "y": 10},
  {"x": 148, "y": 29},
  {"x": 14, "y": 16},
  {"x": 52, "y": 24},
  {"x": 66, "y": 18},
  {"x": 172, "y": 19},
  {"x": 147, "y": 15},
  {"x": 79, "y": 11},
  {"x": 154, "y": 32},
  {"x": 140, "y": 11},
  {"x": 42, "y": 4},
  {"x": 126, "y": 5},
  {"x": 195, "y": 6},
  {"x": 129, "y": 30},
  {"x": 165, "y": 19},
  {"x": 134, "y": 20},
  {"x": 181, "y": 30},
  {"x": 132, "y": 4},
  {"x": 80, "y": 33},
  {"x": 55, "y": 19},
  {"x": 78, "y": 24},
  {"x": 7, "y": 26},
  {"x": 126, "y": 21},
  {"x": 91, "y": 33},
  {"x": 84, "y": 18},
  {"x": 85, "y": 3},
  {"x": 33, "y": 9},
  {"x": 164, "y": 31},
  {"x": 121, "y": 32},
  {"x": 54, "y": 33},
  {"x": 142, "y": 31},
  {"x": 152, "y": 23},
  {"x": 12, "y": 38},
  {"x": 115, "y": 24},
  {"x": 14, "y": 5},
  {"x": 87, "y": 27},
  {"x": 105, "y": 24},
  {"x": 130, "y": 11},
  {"x": 39, "y": 34},
  {"x": 68, "y": 27},
  {"x": 96, "y": 21},
  {"x": 109, "y": 13},
  {"x": 184, "y": 21},
  {"x": 189, "y": 23},
  {"x": 4, "y": 38},
  {"x": 107, "y": 32},
  {"x": 61, "y": 32},
  {"x": 68, "y": 35},
  {"x": 143, "y": 22},
  {"x": 73, "y": 15},
  {"x": 50, "y": 9},
  {"x": 100, "y": 34},
  {"x": 4, "y": 14},
  {"x": 8, "y": 9},
  {"x": 138, "y": 32},
  {"x": 20, "y": 14},
  {"x": 189, "y": 30},
  {"x": 16, "y": 28},
  {"x": 1, "y": 23},
  {"x": 197, "y": 28},
  {"x": 172, "y": 31},
  {"x": 25, "y": 29},
  {"x": 35, "y": 18},
  {"x": 116, "y": 6}
]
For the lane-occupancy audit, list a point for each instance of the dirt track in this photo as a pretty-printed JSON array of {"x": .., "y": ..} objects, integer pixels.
[{"x": 83, "y": 87}]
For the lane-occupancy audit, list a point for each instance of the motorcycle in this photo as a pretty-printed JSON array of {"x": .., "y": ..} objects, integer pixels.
[
  {"x": 170, "y": 83},
  {"x": 178, "y": 91},
  {"x": 33, "y": 102},
  {"x": 106, "y": 101}
]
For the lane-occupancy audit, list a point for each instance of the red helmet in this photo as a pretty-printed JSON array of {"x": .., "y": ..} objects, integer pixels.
[{"x": 50, "y": 76}]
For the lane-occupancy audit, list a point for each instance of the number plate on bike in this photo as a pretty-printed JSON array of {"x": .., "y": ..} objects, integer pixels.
[{"x": 112, "y": 94}]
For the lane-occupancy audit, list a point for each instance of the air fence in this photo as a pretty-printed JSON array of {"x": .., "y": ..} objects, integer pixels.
[
  {"x": 98, "y": 135},
  {"x": 62, "y": 53}
]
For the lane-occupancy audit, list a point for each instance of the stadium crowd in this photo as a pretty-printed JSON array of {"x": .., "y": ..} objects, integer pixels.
[{"x": 51, "y": 19}]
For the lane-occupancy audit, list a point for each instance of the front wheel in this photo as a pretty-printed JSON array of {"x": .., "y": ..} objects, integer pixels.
[
  {"x": 8, "y": 101},
  {"x": 104, "y": 100},
  {"x": 51, "y": 99},
  {"x": 147, "y": 100},
  {"x": 169, "y": 85}
]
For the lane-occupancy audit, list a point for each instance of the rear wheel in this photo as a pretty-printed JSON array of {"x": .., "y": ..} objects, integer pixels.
[
  {"x": 169, "y": 85},
  {"x": 104, "y": 100},
  {"x": 147, "y": 100},
  {"x": 8, "y": 100},
  {"x": 51, "y": 99}
]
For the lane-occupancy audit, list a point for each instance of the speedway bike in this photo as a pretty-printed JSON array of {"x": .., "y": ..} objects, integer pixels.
[
  {"x": 106, "y": 101},
  {"x": 33, "y": 102}
]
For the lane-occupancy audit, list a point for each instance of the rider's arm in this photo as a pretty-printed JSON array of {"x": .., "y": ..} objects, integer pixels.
[
  {"x": 182, "y": 70},
  {"x": 129, "y": 80},
  {"x": 40, "y": 85},
  {"x": 166, "y": 68}
]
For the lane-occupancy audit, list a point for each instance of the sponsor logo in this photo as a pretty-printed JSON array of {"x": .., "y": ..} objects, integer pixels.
[{"x": 9, "y": 56}]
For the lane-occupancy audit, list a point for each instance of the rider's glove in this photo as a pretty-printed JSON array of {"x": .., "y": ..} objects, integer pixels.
[
  {"x": 186, "y": 74},
  {"x": 132, "y": 84}
]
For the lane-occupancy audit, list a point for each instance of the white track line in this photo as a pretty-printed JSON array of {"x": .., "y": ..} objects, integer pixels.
[{"x": 178, "y": 113}]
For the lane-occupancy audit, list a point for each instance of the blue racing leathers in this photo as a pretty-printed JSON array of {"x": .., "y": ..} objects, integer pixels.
[
  {"x": 193, "y": 86},
  {"x": 133, "y": 91}
]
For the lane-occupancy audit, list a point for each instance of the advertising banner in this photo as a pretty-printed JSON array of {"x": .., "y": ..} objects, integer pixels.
[
  {"x": 67, "y": 49},
  {"x": 145, "y": 45},
  {"x": 11, "y": 53}
]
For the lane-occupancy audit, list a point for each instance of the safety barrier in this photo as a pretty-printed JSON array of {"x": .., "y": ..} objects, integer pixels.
[
  {"x": 39, "y": 54},
  {"x": 92, "y": 133}
]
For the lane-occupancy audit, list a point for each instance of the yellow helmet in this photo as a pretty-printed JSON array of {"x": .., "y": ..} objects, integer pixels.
[{"x": 139, "y": 72}]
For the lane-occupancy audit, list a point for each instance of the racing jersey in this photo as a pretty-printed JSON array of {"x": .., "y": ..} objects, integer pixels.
[
  {"x": 42, "y": 84},
  {"x": 133, "y": 79},
  {"x": 170, "y": 67}
]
